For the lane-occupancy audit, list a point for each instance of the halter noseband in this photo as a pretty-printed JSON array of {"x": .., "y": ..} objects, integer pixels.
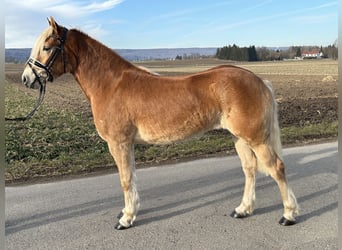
[
  {"x": 47, "y": 67},
  {"x": 42, "y": 81}
]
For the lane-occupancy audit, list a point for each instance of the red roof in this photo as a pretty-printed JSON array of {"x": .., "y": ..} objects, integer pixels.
[{"x": 310, "y": 52}]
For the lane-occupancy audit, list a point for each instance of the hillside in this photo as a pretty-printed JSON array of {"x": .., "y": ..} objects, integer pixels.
[{"x": 21, "y": 55}]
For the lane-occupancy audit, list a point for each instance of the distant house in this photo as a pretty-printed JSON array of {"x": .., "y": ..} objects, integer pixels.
[{"x": 312, "y": 54}]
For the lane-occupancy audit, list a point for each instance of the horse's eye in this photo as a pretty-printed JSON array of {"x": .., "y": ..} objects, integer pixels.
[{"x": 46, "y": 48}]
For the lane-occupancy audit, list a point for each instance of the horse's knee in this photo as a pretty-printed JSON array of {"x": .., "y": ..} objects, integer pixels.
[
  {"x": 126, "y": 186},
  {"x": 249, "y": 172}
]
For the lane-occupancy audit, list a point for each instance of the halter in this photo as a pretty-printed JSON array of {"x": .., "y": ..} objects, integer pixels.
[
  {"x": 42, "y": 80},
  {"x": 47, "y": 67}
]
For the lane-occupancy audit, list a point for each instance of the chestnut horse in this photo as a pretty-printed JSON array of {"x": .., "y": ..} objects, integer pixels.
[{"x": 131, "y": 105}]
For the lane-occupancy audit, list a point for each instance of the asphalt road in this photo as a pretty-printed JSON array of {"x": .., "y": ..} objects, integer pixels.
[{"x": 183, "y": 206}]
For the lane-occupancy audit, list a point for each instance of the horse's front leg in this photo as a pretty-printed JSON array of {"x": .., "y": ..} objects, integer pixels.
[{"x": 124, "y": 157}]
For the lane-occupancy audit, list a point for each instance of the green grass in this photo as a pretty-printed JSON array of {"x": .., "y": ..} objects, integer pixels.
[
  {"x": 60, "y": 142},
  {"x": 294, "y": 134},
  {"x": 53, "y": 142}
]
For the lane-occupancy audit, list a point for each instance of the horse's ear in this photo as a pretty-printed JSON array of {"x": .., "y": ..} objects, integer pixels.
[{"x": 53, "y": 24}]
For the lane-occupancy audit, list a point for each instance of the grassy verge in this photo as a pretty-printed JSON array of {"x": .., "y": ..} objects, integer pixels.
[{"x": 59, "y": 142}]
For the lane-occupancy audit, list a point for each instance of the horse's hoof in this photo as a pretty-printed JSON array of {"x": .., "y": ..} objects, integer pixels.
[
  {"x": 236, "y": 215},
  {"x": 285, "y": 222},
  {"x": 118, "y": 226},
  {"x": 120, "y": 215}
]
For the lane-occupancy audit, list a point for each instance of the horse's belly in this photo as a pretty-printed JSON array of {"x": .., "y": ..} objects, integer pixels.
[
  {"x": 163, "y": 138},
  {"x": 164, "y": 133}
]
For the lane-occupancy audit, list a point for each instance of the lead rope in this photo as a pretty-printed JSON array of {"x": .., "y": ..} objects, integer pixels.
[{"x": 42, "y": 84}]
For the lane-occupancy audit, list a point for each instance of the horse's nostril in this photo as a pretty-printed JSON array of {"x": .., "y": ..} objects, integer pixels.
[{"x": 24, "y": 79}]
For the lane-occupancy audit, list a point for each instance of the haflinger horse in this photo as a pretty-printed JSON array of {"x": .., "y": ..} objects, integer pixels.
[{"x": 131, "y": 105}]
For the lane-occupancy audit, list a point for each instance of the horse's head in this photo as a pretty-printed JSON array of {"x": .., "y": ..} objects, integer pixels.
[{"x": 47, "y": 56}]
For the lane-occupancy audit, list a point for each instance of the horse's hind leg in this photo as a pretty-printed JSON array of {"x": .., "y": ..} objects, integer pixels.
[
  {"x": 271, "y": 164},
  {"x": 249, "y": 166},
  {"x": 124, "y": 158}
]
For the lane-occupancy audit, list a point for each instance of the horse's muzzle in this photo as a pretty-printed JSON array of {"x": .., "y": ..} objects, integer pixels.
[
  {"x": 30, "y": 80},
  {"x": 32, "y": 85}
]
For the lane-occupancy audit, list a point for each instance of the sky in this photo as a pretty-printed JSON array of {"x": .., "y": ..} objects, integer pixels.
[{"x": 145, "y": 24}]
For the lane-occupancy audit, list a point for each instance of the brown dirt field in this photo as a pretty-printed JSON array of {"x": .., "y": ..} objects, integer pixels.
[{"x": 305, "y": 90}]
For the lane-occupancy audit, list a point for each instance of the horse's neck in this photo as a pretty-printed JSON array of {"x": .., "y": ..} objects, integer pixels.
[{"x": 97, "y": 65}]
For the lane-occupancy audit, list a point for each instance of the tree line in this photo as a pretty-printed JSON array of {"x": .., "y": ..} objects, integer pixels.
[
  {"x": 236, "y": 53},
  {"x": 251, "y": 53}
]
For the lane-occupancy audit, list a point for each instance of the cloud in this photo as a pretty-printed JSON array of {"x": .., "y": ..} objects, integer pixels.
[
  {"x": 64, "y": 8},
  {"x": 72, "y": 9},
  {"x": 27, "y": 18},
  {"x": 96, "y": 7},
  {"x": 95, "y": 30}
]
